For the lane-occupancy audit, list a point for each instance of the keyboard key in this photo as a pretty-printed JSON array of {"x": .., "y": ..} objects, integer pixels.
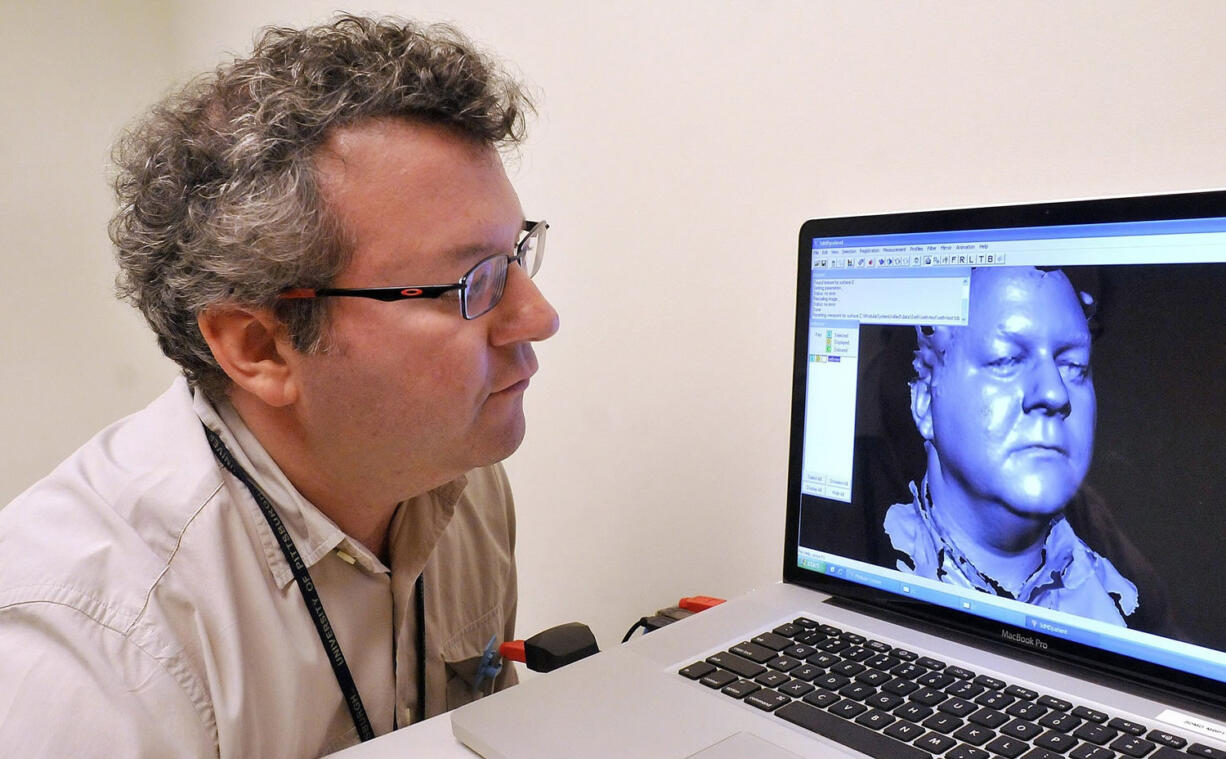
[
  {"x": 943, "y": 723},
  {"x": 810, "y": 637},
  {"x": 848, "y": 709},
  {"x": 967, "y": 752},
  {"x": 1126, "y": 726},
  {"x": 833, "y": 645},
  {"x": 883, "y": 661},
  {"x": 1041, "y": 753},
  {"x": 905, "y": 731},
  {"x": 767, "y": 700},
  {"x": 823, "y": 659},
  {"x": 927, "y": 662},
  {"x": 1061, "y": 721},
  {"x": 876, "y": 719},
  {"x": 718, "y": 679},
  {"x": 741, "y": 689},
  {"x": 753, "y": 652},
  {"x": 1021, "y": 729},
  {"x": 783, "y": 663},
  {"x": 771, "y": 679},
  {"x": 964, "y": 689},
  {"x": 901, "y": 687},
  {"x": 857, "y": 691},
  {"x": 1051, "y": 702},
  {"x": 928, "y": 696},
  {"x": 805, "y": 622},
  {"x": 1200, "y": 749},
  {"x": 908, "y": 671},
  {"x": 1059, "y": 742},
  {"x": 796, "y": 688},
  {"x": 873, "y": 677},
  {"x": 989, "y": 717},
  {"x": 773, "y": 641},
  {"x": 851, "y": 637},
  {"x": 856, "y": 653},
  {"x": 1023, "y": 693},
  {"x": 822, "y": 698},
  {"x": 877, "y": 646},
  {"x": 1093, "y": 715},
  {"x": 831, "y": 681},
  {"x": 799, "y": 651},
  {"x": 848, "y": 668},
  {"x": 697, "y": 670},
  {"x": 959, "y": 673},
  {"x": 1090, "y": 751},
  {"x": 789, "y": 630},
  {"x": 936, "y": 743},
  {"x": 884, "y": 700},
  {"x": 1007, "y": 747},
  {"x": 959, "y": 707},
  {"x": 805, "y": 672},
  {"x": 830, "y": 630},
  {"x": 1167, "y": 739},
  {"x": 936, "y": 679},
  {"x": 1131, "y": 745},
  {"x": 991, "y": 683},
  {"x": 913, "y": 711},
  {"x": 1095, "y": 733},
  {"x": 904, "y": 654},
  {"x": 974, "y": 734},
  {"x": 995, "y": 699},
  {"x": 1026, "y": 710},
  {"x": 736, "y": 664},
  {"x": 854, "y": 736}
]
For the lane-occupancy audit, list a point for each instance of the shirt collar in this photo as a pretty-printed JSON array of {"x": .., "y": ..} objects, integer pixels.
[
  {"x": 415, "y": 528},
  {"x": 313, "y": 533}
]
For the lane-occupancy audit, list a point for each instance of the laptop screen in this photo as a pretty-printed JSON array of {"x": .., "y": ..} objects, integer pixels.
[{"x": 1014, "y": 419}]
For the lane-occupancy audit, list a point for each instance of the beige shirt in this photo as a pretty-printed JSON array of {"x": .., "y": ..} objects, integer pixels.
[{"x": 146, "y": 610}]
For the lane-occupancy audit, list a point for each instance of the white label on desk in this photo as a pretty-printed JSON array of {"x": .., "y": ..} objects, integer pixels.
[{"x": 1196, "y": 724}]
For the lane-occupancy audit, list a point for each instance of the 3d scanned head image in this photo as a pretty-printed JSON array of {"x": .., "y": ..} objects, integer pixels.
[{"x": 1006, "y": 408}]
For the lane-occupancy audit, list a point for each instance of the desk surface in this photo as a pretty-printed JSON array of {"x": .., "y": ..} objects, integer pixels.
[{"x": 430, "y": 738}]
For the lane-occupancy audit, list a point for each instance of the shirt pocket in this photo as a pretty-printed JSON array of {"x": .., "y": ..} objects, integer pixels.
[{"x": 462, "y": 659}]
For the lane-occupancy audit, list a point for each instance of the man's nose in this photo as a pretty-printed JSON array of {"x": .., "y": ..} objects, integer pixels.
[
  {"x": 1045, "y": 390},
  {"x": 524, "y": 314}
]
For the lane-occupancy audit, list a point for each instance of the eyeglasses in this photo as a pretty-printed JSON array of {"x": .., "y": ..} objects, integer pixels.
[{"x": 480, "y": 288}]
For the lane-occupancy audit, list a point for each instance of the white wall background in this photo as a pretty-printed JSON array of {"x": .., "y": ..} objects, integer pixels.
[{"x": 679, "y": 147}]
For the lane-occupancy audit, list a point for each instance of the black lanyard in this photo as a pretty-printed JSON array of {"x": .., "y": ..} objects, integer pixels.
[{"x": 332, "y": 646}]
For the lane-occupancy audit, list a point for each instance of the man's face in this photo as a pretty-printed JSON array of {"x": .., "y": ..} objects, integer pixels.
[
  {"x": 1012, "y": 406},
  {"x": 408, "y": 391}
]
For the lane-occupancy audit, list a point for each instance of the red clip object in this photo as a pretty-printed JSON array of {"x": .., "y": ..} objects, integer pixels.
[
  {"x": 513, "y": 650},
  {"x": 699, "y": 603}
]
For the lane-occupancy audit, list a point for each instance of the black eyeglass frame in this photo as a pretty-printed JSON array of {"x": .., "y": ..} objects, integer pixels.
[{"x": 535, "y": 231}]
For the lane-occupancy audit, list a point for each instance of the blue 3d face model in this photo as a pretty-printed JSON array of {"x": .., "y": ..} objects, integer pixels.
[
  {"x": 1009, "y": 403},
  {"x": 1006, "y": 407}
]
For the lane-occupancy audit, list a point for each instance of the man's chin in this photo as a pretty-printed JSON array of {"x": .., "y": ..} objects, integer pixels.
[{"x": 1048, "y": 502}]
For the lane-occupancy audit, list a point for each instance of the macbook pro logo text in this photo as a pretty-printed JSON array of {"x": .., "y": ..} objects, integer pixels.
[{"x": 1026, "y": 640}]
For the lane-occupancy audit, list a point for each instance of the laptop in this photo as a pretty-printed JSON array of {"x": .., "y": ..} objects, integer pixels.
[{"x": 1004, "y": 511}]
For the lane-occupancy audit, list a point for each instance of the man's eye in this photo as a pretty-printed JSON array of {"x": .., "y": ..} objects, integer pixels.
[
  {"x": 1005, "y": 362},
  {"x": 1075, "y": 372}
]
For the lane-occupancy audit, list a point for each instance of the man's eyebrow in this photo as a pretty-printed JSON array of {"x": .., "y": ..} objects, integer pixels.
[
  {"x": 1080, "y": 340},
  {"x": 478, "y": 250}
]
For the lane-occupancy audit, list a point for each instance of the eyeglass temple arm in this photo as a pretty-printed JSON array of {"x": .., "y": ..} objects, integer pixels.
[{"x": 376, "y": 293}]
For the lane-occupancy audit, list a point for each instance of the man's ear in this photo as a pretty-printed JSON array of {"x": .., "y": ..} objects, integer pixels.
[
  {"x": 253, "y": 349},
  {"x": 921, "y": 406}
]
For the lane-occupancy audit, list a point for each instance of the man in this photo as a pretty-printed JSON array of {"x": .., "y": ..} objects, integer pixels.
[
  {"x": 307, "y": 540},
  {"x": 1006, "y": 408}
]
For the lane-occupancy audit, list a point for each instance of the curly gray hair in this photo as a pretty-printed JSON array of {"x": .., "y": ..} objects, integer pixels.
[{"x": 218, "y": 192}]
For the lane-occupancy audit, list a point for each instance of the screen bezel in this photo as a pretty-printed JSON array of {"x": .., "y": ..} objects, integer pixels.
[{"x": 1207, "y": 204}]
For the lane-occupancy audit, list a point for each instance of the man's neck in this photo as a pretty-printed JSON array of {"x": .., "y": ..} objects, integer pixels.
[
  {"x": 360, "y": 512},
  {"x": 1003, "y": 545}
]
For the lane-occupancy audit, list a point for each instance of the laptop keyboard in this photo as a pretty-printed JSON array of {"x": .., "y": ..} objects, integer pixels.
[{"x": 891, "y": 703}]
